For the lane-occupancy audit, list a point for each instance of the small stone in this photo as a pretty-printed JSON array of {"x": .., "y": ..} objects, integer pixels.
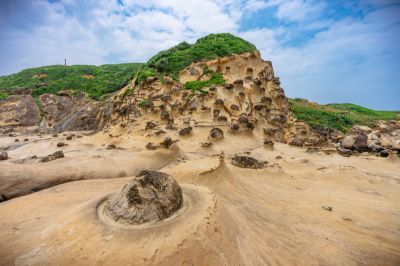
[
  {"x": 151, "y": 146},
  {"x": 69, "y": 137},
  {"x": 206, "y": 144},
  {"x": 55, "y": 135},
  {"x": 344, "y": 152},
  {"x": 111, "y": 147},
  {"x": 384, "y": 153},
  {"x": 278, "y": 157},
  {"x": 25, "y": 140},
  {"x": 159, "y": 132},
  {"x": 327, "y": 208},
  {"x": 52, "y": 157},
  {"x": 150, "y": 125},
  {"x": 246, "y": 162},
  {"x": 16, "y": 140},
  {"x": 60, "y": 144},
  {"x": 312, "y": 150},
  {"x": 168, "y": 142},
  {"x": 3, "y": 156},
  {"x": 269, "y": 143}
]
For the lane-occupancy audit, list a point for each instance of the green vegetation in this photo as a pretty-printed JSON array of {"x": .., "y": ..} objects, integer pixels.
[
  {"x": 198, "y": 85},
  {"x": 95, "y": 80},
  {"x": 98, "y": 81},
  {"x": 173, "y": 60},
  {"x": 338, "y": 116},
  {"x": 144, "y": 103},
  {"x": 3, "y": 95}
]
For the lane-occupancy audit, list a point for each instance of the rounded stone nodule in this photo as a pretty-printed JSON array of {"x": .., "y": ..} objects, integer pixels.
[{"x": 150, "y": 197}]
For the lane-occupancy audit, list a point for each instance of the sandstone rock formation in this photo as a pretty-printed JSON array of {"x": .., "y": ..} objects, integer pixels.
[
  {"x": 19, "y": 110},
  {"x": 151, "y": 197}
]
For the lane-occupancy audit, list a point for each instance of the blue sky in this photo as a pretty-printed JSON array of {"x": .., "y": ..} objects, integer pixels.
[{"x": 325, "y": 51}]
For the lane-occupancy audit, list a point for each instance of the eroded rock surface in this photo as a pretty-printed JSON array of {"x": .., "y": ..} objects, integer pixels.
[{"x": 19, "y": 110}]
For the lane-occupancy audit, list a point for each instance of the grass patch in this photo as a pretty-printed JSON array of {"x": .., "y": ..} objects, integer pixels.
[
  {"x": 173, "y": 60},
  {"x": 338, "y": 116},
  {"x": 198, "y": 85},
  {"x": 94, "y": 80},
  {"x": 3, "y": 95}
]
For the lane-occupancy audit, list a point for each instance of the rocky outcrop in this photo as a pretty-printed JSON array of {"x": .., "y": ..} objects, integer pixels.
[
  {"x": 382, "y": 139},
  {"x": 356, "y": 140},
  {"x": 150, "y": 197},
  {"x": 19, "y": 110}
]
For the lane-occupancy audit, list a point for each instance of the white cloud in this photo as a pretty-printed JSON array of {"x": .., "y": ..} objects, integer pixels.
[
  {"x": 300, "y": 10},
  {"x": 306, "y": 49}
]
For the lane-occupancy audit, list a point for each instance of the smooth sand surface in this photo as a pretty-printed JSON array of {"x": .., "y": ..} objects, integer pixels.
[{"x": 232, "y": 216}]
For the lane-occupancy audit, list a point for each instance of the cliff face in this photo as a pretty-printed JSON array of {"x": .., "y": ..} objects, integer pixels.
[
  {"x": 251, "y": 91},
  {"x": 251, "y": 99},
  {"x": 19, "y": 111}
]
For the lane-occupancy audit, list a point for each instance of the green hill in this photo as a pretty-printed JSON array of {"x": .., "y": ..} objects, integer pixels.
[
  {"x": 95, "y": 80},
  {"x": 100, "y": 80},
  {"x": 175, "y": 59},
  {"x": 338, "y": 116}
]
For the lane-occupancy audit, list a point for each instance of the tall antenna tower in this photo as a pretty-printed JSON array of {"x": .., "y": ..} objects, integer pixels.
[{"x": 65, "y": 61}]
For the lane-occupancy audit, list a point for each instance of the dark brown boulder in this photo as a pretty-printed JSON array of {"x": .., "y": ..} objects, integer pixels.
[
  {"x": 247, "y": 162},
  {"x": 216, "y": 133},
  {"x": 356, "y": 140},
  {"x": 186, "y": 131},
  {"x": 150, "y": 197},
  {"x": 164, "y": 115},
  {"x": 52, "y": 157},
  {"x": 3, "y": 156},
  {"x": 234, "y": 127},
  {"x": 222, "y": 118},
  {"x": 234, "y": 107},
  {"x": 167, "y": 142},
  {"x": 150, "y": 125},
  {"x": 60, "y": 144}
]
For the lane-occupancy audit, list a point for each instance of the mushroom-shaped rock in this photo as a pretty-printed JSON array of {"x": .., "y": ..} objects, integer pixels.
[
  {"x": 246, "y": 162},
  {"x": 234, "y": 127},
  {"x": 222, "y": 118},
  {"x": 185, "y": 131},
  {"x": 150, "y": 197},
  {"x": 164, "y": 115},
  {"x": 167, "y": 142},
  {"x": 219, "y": 102},
  {"x": 3, "y": 156},
  {"x": 150, "y": 125},
  {"x": 216, "y": 133},
  {"x": 234, "y": 107},
  {"x": 243, "y": 119},
  {"x": 228, "y": 86}
]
